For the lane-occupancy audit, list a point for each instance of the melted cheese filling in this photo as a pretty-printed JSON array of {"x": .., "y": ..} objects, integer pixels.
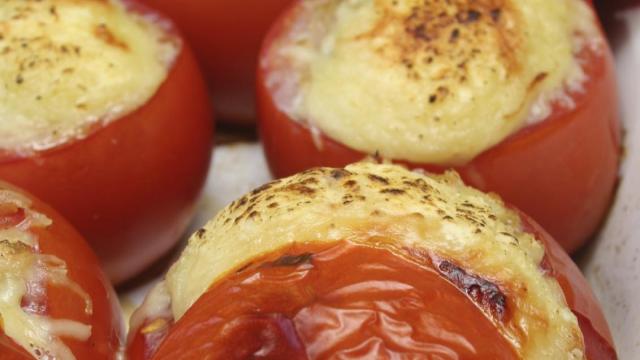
[
  {"x": 155, "y": 308},
  {"x": 387, "y": 206},
  {"x": 23, "y": 273},
  {"x": 435, "y": 81},
  {"x": 68, "y": 65}
]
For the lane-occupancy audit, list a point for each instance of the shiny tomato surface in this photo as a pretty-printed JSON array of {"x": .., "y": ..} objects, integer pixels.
[
  {"x": 561, "y": 171},
  {"x": 226, "y": 36},
  {"x": 615, "y": 16},
  {"x": 61, "y": 240},
  {"x": 339, "y": 300},
  {"x": 130, "y": 186}
]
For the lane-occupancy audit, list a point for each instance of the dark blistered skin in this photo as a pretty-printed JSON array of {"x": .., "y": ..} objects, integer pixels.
[{"x": 344, "y": 300}]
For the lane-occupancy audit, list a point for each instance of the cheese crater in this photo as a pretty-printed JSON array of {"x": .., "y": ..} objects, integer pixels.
[
  {"x": 69, "y": 65},
  {"x": 429, "y": 81}
]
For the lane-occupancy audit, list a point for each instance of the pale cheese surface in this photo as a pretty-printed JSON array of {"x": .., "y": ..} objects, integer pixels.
[
  {"x": 428, "y": 81},
  {"x": 68, "y": 65}
]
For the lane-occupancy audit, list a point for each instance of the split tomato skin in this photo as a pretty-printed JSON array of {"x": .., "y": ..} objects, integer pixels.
[
  {"x": 561, "y": 171},
  {"x": 130, "y": 186},
  {"x": 226, "y": 36},
  {"x": 61, "y": 240}
]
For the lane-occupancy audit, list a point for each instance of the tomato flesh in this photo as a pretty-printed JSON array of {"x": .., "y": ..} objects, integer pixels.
[{"x": 340, "y": 300}]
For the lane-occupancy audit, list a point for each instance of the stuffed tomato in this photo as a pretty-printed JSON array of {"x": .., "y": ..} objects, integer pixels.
[
  {"x": 371, "y": 261},
  {"x": 104, "y": 116},
  {"x": 55, "y": 301},
  {"x": 226, "y": 36},
  {"x": 518, "y": 97}
]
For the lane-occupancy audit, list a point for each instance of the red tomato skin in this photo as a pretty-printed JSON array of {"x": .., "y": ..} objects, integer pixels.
[
  {"x": 63, "y": 241},
  {"x": 226, "y": 36},
  {"x": 130, "y": 187},
  {"x": 561, "y": 171}
]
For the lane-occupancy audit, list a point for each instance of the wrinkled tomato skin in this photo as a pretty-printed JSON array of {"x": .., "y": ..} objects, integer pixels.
[
  {"x": 12, "y": 351},
  {"x": 226, "y": 36},
  {"x": 561, "y": 171},
  {"x": 580, "y": 299},
  {"x": 63, "y": 241},
  {"x": 130, "y": 186}
]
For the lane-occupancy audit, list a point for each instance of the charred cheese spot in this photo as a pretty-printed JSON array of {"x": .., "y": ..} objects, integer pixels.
[
  {"x": 471, "y": 238},
  {"x": 429, "y": 81},
  {"x": 24, "y": 272},
  {"x": 69, "y": 65}
]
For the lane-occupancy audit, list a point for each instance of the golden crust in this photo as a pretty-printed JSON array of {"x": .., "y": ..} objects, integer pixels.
[{"x": 389, "y": 206}]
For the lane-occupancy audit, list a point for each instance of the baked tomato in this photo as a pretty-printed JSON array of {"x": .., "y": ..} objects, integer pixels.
[
  {"x": 226, "y": 36},
  {"x": 371, "y": 261},
  {"x": 55, "y": 300},
  {"x": 108, "y": 120},
  {"x": 532, "y": 118}
]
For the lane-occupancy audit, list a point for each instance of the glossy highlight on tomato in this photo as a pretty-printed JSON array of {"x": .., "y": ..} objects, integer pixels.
[
  {"x": 301, "y": 304},
  {"x": 61, "y": 240},
  {"x": 226, "y": 36},
  {"x": 130, "y": 186},
  {"x": 561, "y": 171}
]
